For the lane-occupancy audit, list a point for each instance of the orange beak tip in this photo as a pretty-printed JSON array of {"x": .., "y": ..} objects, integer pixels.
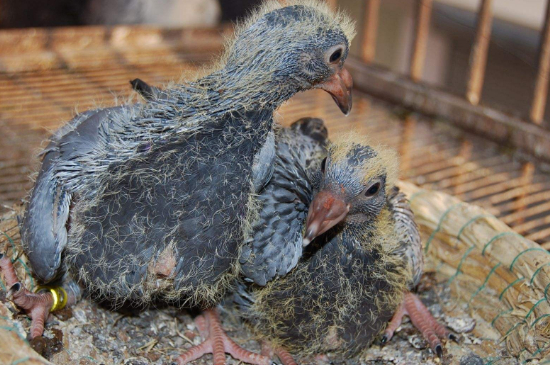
[
  {"x": 339, "y": 86},
  {"x": 326, "y": 210}
]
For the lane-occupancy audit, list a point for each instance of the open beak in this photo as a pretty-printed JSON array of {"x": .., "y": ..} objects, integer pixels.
[
  {"x": 325, "y": 212},
  {"x": 339, "y": 87}
]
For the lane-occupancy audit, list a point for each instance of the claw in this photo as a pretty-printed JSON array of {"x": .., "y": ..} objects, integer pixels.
[
  {"x": 422, "y": 319},
  {"x": 36, "y": 305},
  {"x": 439, "y": 351},
  {"x": 13, "y": 290}
]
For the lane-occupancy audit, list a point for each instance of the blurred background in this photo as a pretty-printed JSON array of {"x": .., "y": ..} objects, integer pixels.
[{"x": 512, "y": 55}]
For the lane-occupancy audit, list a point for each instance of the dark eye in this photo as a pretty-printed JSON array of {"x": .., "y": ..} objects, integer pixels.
[
  {"x": 373, "y": 190},
  {"x": 323, "y": 164},
  {"x": 335, "y": 56}
]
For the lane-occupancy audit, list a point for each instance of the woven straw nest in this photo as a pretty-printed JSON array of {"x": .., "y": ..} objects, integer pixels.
[{"x": 501, "y": 278}]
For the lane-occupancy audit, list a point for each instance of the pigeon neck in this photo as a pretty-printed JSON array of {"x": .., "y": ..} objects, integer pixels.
[
  {"x": 250, "y": 89},
  {"x": 365, "y": 233}
]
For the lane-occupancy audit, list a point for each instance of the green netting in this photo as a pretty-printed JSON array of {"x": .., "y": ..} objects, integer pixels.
[
  {"x": 533, "y": 307},
  {"x": 499, "y": 315},
  {"x": 438, "y": 228},
  {"x": 538, "y": 319},
  {"x": 15, "y": 362},
  {"x": 537, "y": 271},
  {"x": 472, "y": 221},
  {"x": 485, "y": 282},
  {"x": 496, "y": 238},
  {"x": 525, "y": 251},
  {"x": 460, "y": 264},
  {"x": 509, "y": 286}
]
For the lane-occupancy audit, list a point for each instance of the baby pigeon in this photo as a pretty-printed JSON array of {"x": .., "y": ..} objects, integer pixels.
[
  {"x": 148, "y": 201},
  {"x": 363, "y": 260},
  {"x": 280, "y": 207}
]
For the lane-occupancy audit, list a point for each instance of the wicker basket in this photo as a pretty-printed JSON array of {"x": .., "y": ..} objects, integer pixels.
[{"x": 503, "y": 277}]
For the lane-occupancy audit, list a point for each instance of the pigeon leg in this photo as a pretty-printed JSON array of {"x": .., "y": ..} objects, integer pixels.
[
  {"x": 37, "y": 305},
  {"x": 394, "y": 323},
  {"x": 283, "y": 355},
  {"x": 8, "y": 271},
  {"x": 422, "y": 319},
  {"x": 218, "y": 344}
]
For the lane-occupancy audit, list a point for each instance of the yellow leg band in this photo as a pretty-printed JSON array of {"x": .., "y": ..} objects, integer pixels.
[{"x": 59, "y": 296}]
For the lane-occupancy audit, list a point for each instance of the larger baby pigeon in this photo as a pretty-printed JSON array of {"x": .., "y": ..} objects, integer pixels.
[{"x": 148, "y": 201}]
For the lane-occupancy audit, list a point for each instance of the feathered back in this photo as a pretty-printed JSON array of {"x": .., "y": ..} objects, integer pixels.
[
  {"x": 273, "y": 243},
  {"x": 410, "y": 244}
]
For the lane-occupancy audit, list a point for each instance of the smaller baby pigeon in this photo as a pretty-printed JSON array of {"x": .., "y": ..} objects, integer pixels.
[{"x": 363, "y": 259}]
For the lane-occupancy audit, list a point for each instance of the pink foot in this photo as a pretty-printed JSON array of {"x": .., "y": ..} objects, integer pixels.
[
  {"x": 218, "y": 344},
  {"x": 283, "y": 355},
  {"x": 422, "y": 319},
  {"x": 36, "y": 305},
  {"x": 8, "y": 271}
]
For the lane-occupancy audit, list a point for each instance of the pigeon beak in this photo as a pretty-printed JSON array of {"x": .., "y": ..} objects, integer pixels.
[
  {"x": 325, "y": 212},
  {"x": 339, "y": 87}
]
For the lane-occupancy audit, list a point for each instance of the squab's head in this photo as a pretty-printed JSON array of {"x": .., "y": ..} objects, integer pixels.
[
  {"x": 280, "y": 51},
  {"x": 356, "y": 181}
]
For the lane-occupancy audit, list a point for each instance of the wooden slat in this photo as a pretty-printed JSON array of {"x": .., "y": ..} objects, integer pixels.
[
  {"x": 424, "y": 12},
  {"x": 541, "y": 85},
  {"x": 478, "y": 58},
  {"x": 370, "y": 28},
  {"x": 490, "y": 123}
]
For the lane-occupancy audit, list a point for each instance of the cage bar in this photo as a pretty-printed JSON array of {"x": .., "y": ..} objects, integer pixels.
[
  {"x": 370, "y": 28},
  {"x": 541, "y": 85},
  {"x": 333, "y": 4},
  {"x": 478, "y": 58},
  {"x": 421, "y": 38}
]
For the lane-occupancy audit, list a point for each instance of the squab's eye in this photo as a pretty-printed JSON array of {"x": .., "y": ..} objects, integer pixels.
[
  {"x": 335, "y": 56},
  {"x": 323, "y": 165},
  {"x": 373, "y": 190}
]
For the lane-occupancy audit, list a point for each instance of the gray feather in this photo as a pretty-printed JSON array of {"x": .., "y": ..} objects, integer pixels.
[
  {"x": 44, "y": 227},
  {"x": 275, "y": 244},
  {"x": 409, "y": 236}
]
